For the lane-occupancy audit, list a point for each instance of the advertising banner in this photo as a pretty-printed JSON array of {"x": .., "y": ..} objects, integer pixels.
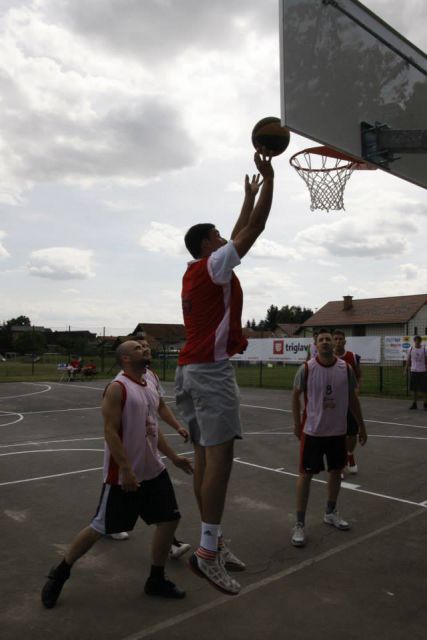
[
  {"x": 397, "y": 347},
  {"x": 294, "y": 350}
]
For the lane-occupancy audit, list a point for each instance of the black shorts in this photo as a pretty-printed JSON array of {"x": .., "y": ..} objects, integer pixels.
[
  {"x": 313, "y": 449},
  {"x": 418, "y": 381},
  {"x": 154, "y": 501},
  {"x": 352, "y": 426}
]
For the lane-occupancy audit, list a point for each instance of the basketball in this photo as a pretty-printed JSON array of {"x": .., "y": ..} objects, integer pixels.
[{"x": 270, "y": 134}]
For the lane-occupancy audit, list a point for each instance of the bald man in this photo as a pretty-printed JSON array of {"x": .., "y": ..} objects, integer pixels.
[{"x": 136, "y": 482}]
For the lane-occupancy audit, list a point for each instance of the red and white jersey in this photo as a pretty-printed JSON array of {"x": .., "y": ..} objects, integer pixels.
[
  {"x": 139, "y": 429},
  {"x": 349, "y": 357},
  {"x": 212, "y": 301},
  {"x": 326, "y": 393},
  {"x": 418, "y": 359}
]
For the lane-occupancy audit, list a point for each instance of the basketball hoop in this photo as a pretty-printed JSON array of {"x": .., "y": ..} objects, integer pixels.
[{"x": 326, "y": 172}]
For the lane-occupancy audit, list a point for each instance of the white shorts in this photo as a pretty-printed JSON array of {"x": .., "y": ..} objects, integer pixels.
[{"x": 207, "y": 398}]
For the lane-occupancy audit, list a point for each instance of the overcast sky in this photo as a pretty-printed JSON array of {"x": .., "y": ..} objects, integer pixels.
[{"x": 124, "y": 122}]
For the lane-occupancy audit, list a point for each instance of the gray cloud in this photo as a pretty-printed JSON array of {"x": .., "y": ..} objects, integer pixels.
[
  {"x": 61, "y": 263},
  {"x": 357, "y": 239},
  {"x": 133, "y": 139},
  {"x": 161, "y": 29}
]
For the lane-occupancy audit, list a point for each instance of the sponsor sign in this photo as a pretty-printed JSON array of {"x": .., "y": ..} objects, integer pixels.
[
  {"x": 397, "y": 347},
  {"x": 294, "y": 350}
]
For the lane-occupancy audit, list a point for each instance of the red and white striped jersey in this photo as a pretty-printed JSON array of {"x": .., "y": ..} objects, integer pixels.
[{"x": 212, "y": 301}]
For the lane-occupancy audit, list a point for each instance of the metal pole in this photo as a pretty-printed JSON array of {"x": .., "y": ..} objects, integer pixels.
[{"x": 102, "y": 350}]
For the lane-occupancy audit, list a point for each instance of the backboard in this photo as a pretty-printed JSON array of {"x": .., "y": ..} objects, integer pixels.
[{"x": 341, "y": 66}]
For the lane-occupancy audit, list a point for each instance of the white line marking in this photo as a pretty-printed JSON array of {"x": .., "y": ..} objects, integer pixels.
[
  {"x": 25, "y": 395},
  {"x": 349, "y": 485},
  {"x": 397, "y": 424},
  {"x": 31, "y": 413},
  {"x": 309, "y": 562},
  {"x": 56, "y": 475},
  {"x": 369, "y": 493},
  {"x": 11, "y": 413},
  {"x": 20, "y": 453}
]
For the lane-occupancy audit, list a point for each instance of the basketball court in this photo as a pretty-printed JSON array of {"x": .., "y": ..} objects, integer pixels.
[{"x": 368, "y": 582}]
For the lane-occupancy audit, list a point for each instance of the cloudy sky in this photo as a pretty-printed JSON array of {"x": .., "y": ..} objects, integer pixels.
[{"x": 124, "y": 122}]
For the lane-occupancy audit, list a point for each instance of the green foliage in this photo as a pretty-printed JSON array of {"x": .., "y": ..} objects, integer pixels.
[
  {"x": 31, "y": 342},
  {"x": 20, "y": 321},
  {"x": 284, "y": 315}
]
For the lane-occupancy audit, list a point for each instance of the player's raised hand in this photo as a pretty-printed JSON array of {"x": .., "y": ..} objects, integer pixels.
[
  {"x": 263, "y": 163},
  {"x": 252, "y": 185}
]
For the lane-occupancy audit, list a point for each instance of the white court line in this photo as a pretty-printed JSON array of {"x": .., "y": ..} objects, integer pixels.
[
  {"x": 25, "y": 395},
  {"x": 309, "y": 562},
  {"x": 397, "y": 424},
  {"x": 349, "y": 485},
  {"x": 55, "y": 475},
  {"x": 20, "y": 453},
  {"x": 42, "y": 442},
  {"x": 67, "y": 473},
  {"x": 31, "y": 413},
  {"x": 11, "y": 413}
]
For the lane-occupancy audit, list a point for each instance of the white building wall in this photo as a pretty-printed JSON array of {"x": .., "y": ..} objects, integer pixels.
[{"x": 418, "y": 324}]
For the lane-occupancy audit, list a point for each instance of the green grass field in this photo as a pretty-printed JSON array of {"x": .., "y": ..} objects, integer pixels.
[{"x": 376, "y": 380}]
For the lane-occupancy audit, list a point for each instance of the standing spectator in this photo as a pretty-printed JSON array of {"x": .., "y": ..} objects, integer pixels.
[
  {"x": 328, "y": 385},
  {"x": 353, "y": 359},
  {"x": 416, "y": 363}
]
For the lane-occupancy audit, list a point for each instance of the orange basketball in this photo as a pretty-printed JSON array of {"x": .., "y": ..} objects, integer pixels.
[{"x": 270, "y": 134}]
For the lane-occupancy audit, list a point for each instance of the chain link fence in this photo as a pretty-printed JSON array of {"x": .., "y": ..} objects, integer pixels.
[{"x": 389, "y": 379}]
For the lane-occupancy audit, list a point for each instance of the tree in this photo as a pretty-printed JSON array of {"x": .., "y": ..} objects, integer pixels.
[
  {"x": 30, "y": 342},
  {"x": 295, "y": 315},
  {"x": 271, "y": 318},
  {"x": 20, "y": 321}
]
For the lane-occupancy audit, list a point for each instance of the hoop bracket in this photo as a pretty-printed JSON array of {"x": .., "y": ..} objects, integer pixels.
[{"x": 380, "y": 143}]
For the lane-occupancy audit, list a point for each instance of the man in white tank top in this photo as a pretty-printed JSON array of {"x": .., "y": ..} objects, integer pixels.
[
  {"x": 328, "y": 385},
  {"x": 416, "y": 363},
  {"x": 136, "y": 482}
]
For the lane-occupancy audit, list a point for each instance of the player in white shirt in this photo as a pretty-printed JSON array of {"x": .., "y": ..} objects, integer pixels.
[
  {"x": 416, "y": 363},
  {"x": 328, "y": 385}
]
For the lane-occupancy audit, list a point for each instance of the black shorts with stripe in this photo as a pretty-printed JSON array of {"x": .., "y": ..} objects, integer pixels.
[
  {"x": 315, "y": 448},
  {"x": 154, "y": 501}
]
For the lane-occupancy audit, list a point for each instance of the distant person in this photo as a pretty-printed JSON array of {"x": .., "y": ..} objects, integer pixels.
[
  {"x": 328, "y": 385},
  {"x": 312, "y": 349},
  {"x": 416, "y": 363},
  {"x": 206, "y": 390},
  {"x": 136, "y": 482},
  {"x": 353, "y": 359}
]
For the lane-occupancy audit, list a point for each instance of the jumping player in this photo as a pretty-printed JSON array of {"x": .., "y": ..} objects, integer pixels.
[{"x": 206, "y": 390}]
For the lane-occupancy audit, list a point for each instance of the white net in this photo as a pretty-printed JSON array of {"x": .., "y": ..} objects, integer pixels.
[{"x": 325, "y": 173}]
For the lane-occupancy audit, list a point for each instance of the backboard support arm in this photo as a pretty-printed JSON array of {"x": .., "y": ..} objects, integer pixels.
[{"x": 380, "y": 143}]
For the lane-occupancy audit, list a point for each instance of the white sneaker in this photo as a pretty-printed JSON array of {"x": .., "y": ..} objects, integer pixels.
[
  {"x": 123, "y": 535},
  {"x": 178, "y": 549},
  {"x": 215, "y": 573},
  {"x": 298, "y": 535},
  {"x": 335, "y": 520},
  {"x": 229, "y": 560}
]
